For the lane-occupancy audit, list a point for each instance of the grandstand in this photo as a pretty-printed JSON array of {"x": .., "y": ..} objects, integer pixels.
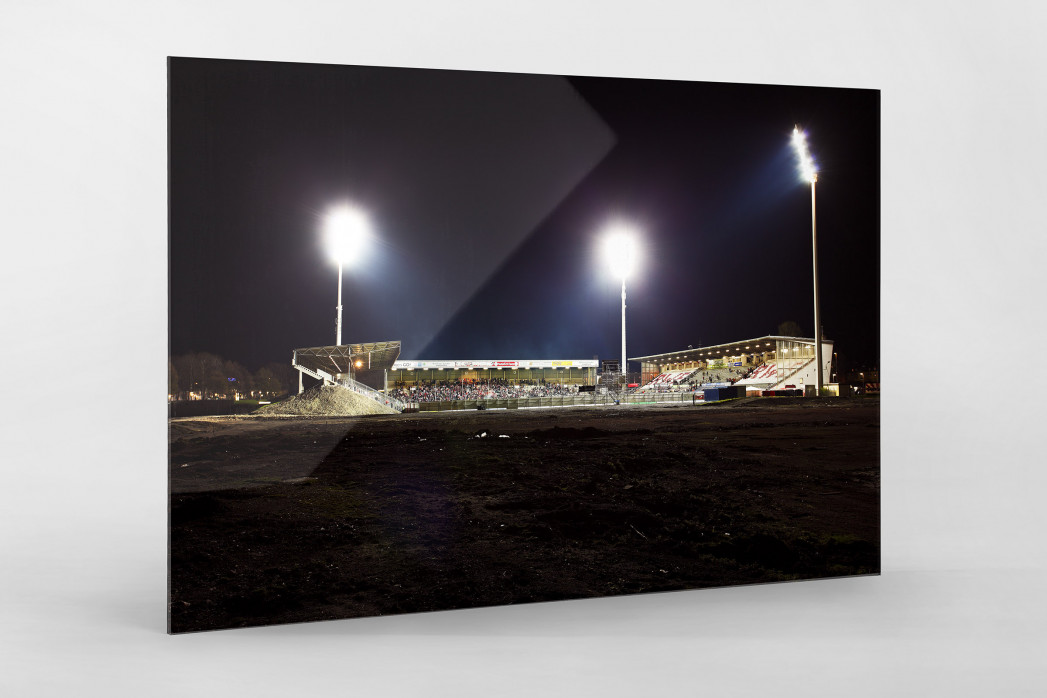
[
  {"x": 374, "y": 369},
  {"x": 495, "y": 389},
  {"x": 764, "y": 373},
  {"x": 511, "y": 371},
  {"x": 764, "y": 363},
  {"x": 670, "y": 381},
  {"x": 490, "y": 382},
  {"x": 363, "y": 368}
]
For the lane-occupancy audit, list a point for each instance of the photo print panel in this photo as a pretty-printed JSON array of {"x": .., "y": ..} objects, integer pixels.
[{"x": 449, "y": 339}]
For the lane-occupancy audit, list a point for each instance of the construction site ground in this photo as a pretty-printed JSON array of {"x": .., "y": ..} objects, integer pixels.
[{"x": 278, "y": 519}]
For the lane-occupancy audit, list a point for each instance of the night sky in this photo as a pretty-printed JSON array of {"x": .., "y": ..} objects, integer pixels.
[{"x": 488, "y": 194}]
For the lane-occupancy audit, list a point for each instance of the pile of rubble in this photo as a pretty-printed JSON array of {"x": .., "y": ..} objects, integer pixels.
[{"x": 326, "y": 401}]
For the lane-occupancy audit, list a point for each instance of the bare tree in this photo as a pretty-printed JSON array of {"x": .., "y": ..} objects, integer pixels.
[
  {"x": 237, "y": 379},
  {"x": 172, "y": 379},
  {"x": 265, "y": 382},
  {"x": 790, "y": 328}
]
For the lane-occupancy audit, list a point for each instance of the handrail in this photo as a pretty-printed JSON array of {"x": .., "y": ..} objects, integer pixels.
[
  {"x": 354, "y": 385},
  {"x": 370, "y": 392},
  {"x": 318, "y": 374},
  {"x": 552, "y": 401}
]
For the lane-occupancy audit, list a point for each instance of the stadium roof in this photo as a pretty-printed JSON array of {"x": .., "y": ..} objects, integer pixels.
[
  {"x": 746, "y": 346},
  {"x": 337, "y": 359},
  {"x": 498, "y": 363}
]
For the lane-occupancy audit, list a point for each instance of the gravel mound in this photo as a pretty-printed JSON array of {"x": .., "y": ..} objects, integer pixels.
[{"x": 324, "y": 400}]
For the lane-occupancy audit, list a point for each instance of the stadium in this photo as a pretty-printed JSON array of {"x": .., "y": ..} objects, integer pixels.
[{"x": 762, "y": 366}]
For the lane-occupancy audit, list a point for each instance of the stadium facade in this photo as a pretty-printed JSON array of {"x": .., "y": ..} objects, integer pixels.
[
  {"x": 761, "y": 363},
  {"x": 376, "y": 365},
  {"x": 770, "y": 361}
]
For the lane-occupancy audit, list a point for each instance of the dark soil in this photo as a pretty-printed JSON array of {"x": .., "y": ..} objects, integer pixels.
[{"x": 285, "y": 520}]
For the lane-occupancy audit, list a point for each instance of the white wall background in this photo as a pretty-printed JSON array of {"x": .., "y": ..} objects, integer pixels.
[{"x": 958, "y": 610}]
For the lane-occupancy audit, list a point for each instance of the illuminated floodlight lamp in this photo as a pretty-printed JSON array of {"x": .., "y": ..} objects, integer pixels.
[
  {"x": 621, "y": 252},
  {"x": 808, "y": 170},
  {"x": 346, "y": 229}
]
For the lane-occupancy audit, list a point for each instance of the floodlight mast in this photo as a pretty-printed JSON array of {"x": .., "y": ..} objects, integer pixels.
[
  {"x": 345, "y": 228},
  {"x": 338, "y": 317},
  {"x": 625, "y": 365},
  {"x": 810, "y": 174},
  {"x": 620, "y": 250}
]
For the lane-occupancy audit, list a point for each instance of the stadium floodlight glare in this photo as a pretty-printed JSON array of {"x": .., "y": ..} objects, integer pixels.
[
  {"x": 621, "y": 253},
  {"x": 346, "y": 230},
  {"x": 808, "y": 171},
  {"x": 810, "y": 174}
]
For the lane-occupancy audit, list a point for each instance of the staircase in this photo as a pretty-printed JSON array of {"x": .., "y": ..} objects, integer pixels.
[
  {"x": 367, "y": 391},
  {"x": 350, "y": 384},
  {"x": 795, "y": 377}
]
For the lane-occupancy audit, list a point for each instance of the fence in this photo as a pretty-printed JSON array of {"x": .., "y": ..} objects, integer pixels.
[{"x": 558, "y": 401}]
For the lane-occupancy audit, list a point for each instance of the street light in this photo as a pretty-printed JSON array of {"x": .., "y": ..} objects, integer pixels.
[
  {"x": 620, "y": 253},
  {"x": 809, "y": 173},
  {"x": 346, "y": 230}
]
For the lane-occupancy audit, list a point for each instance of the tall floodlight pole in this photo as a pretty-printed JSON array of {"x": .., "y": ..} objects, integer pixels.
[
  {"x": 620, "y": 254},
  {"x": 346, "y": 230},
  {"x": 625, "y": 363},
  {"x": 810, "y": 174},
  {"x": 338, "y": 316}
]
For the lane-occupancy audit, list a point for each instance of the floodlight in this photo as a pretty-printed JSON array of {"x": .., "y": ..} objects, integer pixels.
[
  {"x": 620, "y": 251},
  {"x": 347, "y": 229},
  {"x": 810, "y": 174},
  {"x": 619, "y": 248},
  {"x": 808, "y": 171}
]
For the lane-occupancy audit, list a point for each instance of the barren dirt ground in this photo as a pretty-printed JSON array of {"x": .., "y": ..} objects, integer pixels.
[{"x": 277, "y": 520}]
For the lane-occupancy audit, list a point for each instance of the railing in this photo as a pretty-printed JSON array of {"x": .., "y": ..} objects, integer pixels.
[
  {"x": 556, "y": 401},
  {"x": 318, "y": 374},
  {"x": 652, "y": 398},
  {"x": 375, "y": 395},
  {"x": 356, "y": 386}
]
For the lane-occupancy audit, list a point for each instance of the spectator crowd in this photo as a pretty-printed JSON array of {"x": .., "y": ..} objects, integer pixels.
[
  {"x": 493, "y": 389},
  {"x": 668, "y": 383}
]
